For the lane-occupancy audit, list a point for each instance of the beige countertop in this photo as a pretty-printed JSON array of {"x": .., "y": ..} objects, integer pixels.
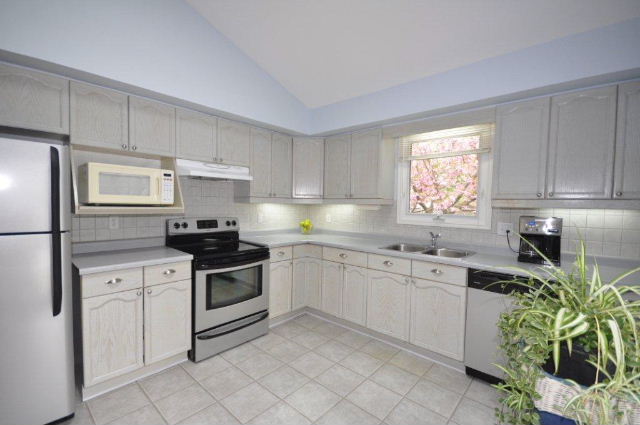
[{"x": 103, "y": 261}]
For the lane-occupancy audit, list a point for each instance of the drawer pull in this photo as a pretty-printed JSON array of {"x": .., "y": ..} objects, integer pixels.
[
  {"x": 387, "y": 263},
  {"x": 343, "y": 255},
  {"x": 281, "y": 253},
  {"x": 406, "y": 281},
  {"x": 168, "y": 272},
  {"x": 436, "y": 271},
  {"x": 113, "y": 281}
]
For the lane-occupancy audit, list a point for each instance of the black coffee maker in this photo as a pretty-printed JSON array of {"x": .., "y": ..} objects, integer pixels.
[{"x": 544, "y": 234}]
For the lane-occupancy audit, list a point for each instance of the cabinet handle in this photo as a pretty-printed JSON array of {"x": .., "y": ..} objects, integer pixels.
[
  {"x": 124, "y": 146},
  {"x": 113, "y": 281},
  {"x": 215, "y": 159},
  {"x": 342, "y": 255},
  {"x": 550, "y": 194},
  {"x": 168, "y": 272},
  {"x": 387, "y": 263},
  {"x": 406, "y": 281},
  {"x": 148, "y": 291},
  {"x": 139, "y": 293},
  {"x": 618, "y": 193},
  {"x": 134, "y": 147},
  {"x": 281, "y": 253},
  {"x": 436, "y": 271},
  {"x": 539, "y": 195},
  {"x": 220, "y": 159}
]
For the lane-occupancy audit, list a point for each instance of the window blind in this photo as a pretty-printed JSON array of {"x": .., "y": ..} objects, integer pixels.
[{"x": 484, "y": 132}]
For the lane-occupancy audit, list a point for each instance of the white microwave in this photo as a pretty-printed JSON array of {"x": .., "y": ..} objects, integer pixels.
[{"x": 111, "y": 184}]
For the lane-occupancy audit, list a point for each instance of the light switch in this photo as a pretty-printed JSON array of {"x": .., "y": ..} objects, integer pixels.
[{"x": 327, "y": 218}]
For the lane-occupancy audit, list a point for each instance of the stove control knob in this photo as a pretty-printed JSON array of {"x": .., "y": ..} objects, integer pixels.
[
  {"x": 185, "y": 224},
  {"x": 176, "y": 225},
  {"x": 228, "y": 223},
  {"x": 233, "y": 222}
]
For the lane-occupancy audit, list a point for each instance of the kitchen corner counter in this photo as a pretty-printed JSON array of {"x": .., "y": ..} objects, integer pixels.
[{"x": 103, "y": 261}]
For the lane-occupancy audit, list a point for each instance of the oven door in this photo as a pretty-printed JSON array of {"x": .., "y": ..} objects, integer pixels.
[{"x": 224, "y": 295}]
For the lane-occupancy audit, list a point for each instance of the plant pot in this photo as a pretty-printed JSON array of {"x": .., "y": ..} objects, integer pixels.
[{"x": 574, "y": 366}]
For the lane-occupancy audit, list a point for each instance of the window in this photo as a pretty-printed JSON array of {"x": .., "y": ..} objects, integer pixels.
[{"x": 444, "y": 177}]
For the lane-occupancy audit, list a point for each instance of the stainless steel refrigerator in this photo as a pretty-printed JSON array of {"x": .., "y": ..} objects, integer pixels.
[{"x": 36, "y": 330}]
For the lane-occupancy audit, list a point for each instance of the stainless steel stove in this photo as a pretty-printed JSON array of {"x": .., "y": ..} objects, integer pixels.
[{"x": 230, "y": 283}]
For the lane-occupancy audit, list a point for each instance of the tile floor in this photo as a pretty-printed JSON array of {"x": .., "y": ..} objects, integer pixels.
[{"x": 304, "y": 371}]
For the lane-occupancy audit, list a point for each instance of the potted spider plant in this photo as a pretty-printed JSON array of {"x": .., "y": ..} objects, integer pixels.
[{"x": 571, "y": 347}]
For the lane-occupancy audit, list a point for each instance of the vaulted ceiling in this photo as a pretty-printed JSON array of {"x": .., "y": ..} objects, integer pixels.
[{"x": 326, "y": 51}]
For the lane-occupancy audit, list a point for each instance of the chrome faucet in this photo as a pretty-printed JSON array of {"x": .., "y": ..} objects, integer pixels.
[{"x": 434, "y": 239}]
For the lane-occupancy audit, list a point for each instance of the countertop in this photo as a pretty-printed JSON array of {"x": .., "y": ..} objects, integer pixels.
[{"x": 103, "y": 261}]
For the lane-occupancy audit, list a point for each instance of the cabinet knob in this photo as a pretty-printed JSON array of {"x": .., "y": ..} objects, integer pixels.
[
  {"x": 124, "y": 146},
  {"x": 168, "y": 272},
  {"x": 342, "y": 255},
  {"x": 436, "y": 271},
  {"x": 134, "y": 148},
  {"x": 407, "y": 280},
  {"x": 220, "y": 159},
  {"x": 551, "y": 194},
  {"x": 113, "y": 281},
  {"x": 148, "y": 291},
  {"x": 387, "y": 263},
  {"x": 215, "y": 159},
  {"x": 139, "y": 293},
  {"x": 618, "y": 193},
  {"x": 539, "y": 195}
]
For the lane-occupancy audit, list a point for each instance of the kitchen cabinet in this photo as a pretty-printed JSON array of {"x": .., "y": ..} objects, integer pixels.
[
  {"x": 307, "y": 274},
  {"x": 33, "y": 100},
  {"x": 581, "y": 144},
  {"x": 167, "y": 318},
  {"x": 365, "y": 163},
  {"x": 388, "y": 304},
  {"x": 281, "y": 163},
  {"x": 99, "y": 117},
  {"x": 626, "y": 183},
  {"x": 152, "y": 127},
  {"x": 332, "y": 275},
  {"x": 260, "y": 186},
  {"x": 112, "y": 335},
  {"x": 308, "y": 167},
  {"x": 520, "y": 149},
  {"x": 196, "y": 136},
  {"x": 354, "y": 294},
  {"x": 280, "y": 277},
  {"x": 438, "y": 317},
  {"x": 337, "y": 182},
  {"x": 234, "y": 143}
]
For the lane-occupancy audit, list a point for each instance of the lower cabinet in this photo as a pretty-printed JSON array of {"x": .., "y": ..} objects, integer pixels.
[
  {"x": 307, "y": 274},
  {"x": 280, "y": 282},
  {"x": 354, "y": 294},
  {"x": 332, "y": 288},
  {"x": 438, "y": 317},
  {"x": 388, "y": 305}
]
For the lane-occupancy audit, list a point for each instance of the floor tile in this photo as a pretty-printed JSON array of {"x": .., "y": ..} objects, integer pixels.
[
  {"x": 470, "y": 412},
  {"x": 288, "y": 329},
  {"x": 347, "y": 413},
  {"x": 313, "y": 400},
  {"x": 240, "y": 353},
  {"x": 283, "y": 381},
  {"x": 259, "y": 365},
  {"x": 227, "y": 382},
  {"x": 311, "y": 364},
  {"x": 147, "y": 415},
  {"x": 394, "y": 378},
  {"x": 310, "y": 339},
  {"x": 287, "y": 351},
  {"x": 184, "y": 403},
  {"x": 117, "y": 403},
  {"x": 166, "y": 382},
  {"x": 340, "y": 380},
  {"x": 434, "y": 397},
  {"x": 267, "y": 341},
  {"x": 353, "y": 339},
  {"x": 448, "y": 378},
  {"x": 280, "y": 414},
  {"x": 334, "y": 350},
  {"x": 212, "y": 415},
  {"x": 205, "y": 368},
  {"x": 81, "y": 416},
  {"x": 249, "y": 402},
  {"x": 308, "y": 321},
  {"x": 379, "y": 350},
  {"x": 361, "y": 363},
  {"x": 330, "y": 330},
  {"x": 409, "y": 413},
  {"x": 411, "y": 363},
  {"x": 374, "y": 399},
  {"x": 483, "y": 393}
]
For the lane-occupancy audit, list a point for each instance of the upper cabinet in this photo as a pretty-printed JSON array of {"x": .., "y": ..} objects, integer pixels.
[
  {"x": 522, "y": 138},
  {"x": 152, "y": 127},
  {"x": 270, "y": 164},
  {"x": 234, "y": 143},
  {"x": 581, "y": 144},
  {"x": 337, "y": 150},
  {"x": 365, "y": 163},
  {"x": 308, "y": 167},
  {"x": 99, "y": 117},
  {"x": 33, "y": 100},
  {"x": 196, "y": 136},
  {"x": 626, "y": 183},
  {"x": 281, "y": 147}
]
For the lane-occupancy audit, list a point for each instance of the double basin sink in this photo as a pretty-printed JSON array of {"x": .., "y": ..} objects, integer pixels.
[{"x": 436, "y": 252}]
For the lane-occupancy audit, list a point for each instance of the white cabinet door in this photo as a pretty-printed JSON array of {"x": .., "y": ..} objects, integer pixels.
[
  {"x": 281, "y": 165},
  {"x": 354, "y": 294},
  {"x": 336, "y": 166},
  {"x": 260, "y": 163},
  {"x": 388, "y": 304},
  {"x": 99, "y": 117},
  {"x": 234, "y": 143},
  {"x": 33, "y": 100},
  {"x": 167, "y": 320},
  {"x": 520, "y": 159},
  {"x": 280, "y": 276},
  {"x": 314, "y": 283},
  {"x": 112, "y": 335},
  {"x": 308, "y": 167},
  {"x": 438, "y": 317},
  {"x": 365, "y": 163},
  {"x": 152, "y": 127},
  {"x": 196, "y": 135},
  {"x": 627, "y": 168},
  {"x": 581, "y": 144},
  {"x": 332, "y": 288},
  {"x": 307, "y": 274}
]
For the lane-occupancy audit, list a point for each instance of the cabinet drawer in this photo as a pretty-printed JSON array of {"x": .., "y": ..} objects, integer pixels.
[
  {"x": 440, "y": 272},
  {"x": 282, "y": 253},
  {"x": 389, "y": 264},
  {"x": 307, "y": 250},
  {"x": 346, "y": 256},
  {"x": 164, "y": 273},
  {"x": 110, "y": 282}
]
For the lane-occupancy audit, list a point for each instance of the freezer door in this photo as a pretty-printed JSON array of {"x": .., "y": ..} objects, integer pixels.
[
  {"x": 36, "y": 359},
  {"x": 30, "y": 171}
]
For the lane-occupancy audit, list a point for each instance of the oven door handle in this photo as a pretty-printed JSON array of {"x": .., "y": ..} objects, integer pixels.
[{"x": 225, "y": 330}]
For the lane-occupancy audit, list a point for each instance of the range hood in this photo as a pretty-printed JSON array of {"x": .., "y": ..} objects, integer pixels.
[{"x": 209, "y": 170}]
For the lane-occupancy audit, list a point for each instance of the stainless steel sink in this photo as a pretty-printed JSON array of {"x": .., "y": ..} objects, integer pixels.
[
  {"x": 404, "y": 247},
  {"x": 446, "y": 252}
]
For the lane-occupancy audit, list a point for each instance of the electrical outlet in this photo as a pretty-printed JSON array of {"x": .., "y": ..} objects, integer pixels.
[
  {"x": 260, "y": 217},
  {"x": 328, "y": 218},
  {"x": 503, "y": 227},
  {"x": 114, "y": 223}
]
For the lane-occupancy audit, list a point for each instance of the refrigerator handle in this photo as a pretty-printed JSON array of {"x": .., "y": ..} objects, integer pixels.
[{"x": 56, "y": 242}]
